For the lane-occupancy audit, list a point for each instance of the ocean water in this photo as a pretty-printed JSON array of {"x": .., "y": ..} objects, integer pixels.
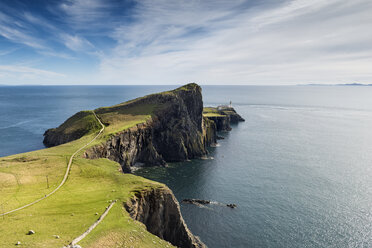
[{"x": 299, "y": 168}]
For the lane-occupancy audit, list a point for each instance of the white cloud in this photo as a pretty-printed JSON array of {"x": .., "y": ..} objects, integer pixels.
[
  {"x": 211, "y": 42},
  {"x": 24, "y": 74},
  {"x": 218, "y": 43},
  {"x": 76, "y": 43},
  {"x": 87, "y": 14},
  {"x": 28, "y": 70},
  {"x": 19, "y": 36},
  {"x": 25, "y": 27}
]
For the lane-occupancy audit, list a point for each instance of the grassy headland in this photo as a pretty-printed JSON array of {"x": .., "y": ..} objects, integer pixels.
[
  {"x": 90, "y": 186},
  {"x": 212, "y": 112}
]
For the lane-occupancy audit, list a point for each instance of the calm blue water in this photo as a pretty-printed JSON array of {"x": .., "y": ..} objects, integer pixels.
[{"x": 299, "y": 168}]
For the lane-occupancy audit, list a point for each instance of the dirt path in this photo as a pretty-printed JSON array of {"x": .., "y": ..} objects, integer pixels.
[
  {"x": 66, "y": 174},
  {"x": 78, "y": 239}
]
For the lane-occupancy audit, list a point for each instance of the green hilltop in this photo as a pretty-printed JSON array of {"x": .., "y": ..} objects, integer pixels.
[{"x": 90, "y": 186}]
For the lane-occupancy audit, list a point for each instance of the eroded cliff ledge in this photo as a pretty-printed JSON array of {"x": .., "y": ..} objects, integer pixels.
[
  {"x": 159, "y": 210},
  {"x": 222, "y": 116}
]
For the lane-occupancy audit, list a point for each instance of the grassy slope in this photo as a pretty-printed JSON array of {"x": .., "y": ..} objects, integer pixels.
[
  {"x": 117, "y": 119},
  {"x": 71, "y": 210},
  {"x": 211, "y": 112},
  {"x": 81, "y": 123}
]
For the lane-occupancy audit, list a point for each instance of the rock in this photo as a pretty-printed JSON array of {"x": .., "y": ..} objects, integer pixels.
[
  {"x": 231, "y": 205},
  {"x": 159, "y": 210},
  {"x": 96, "y": 213},
  {"x": 222, "y": 122},
  {"x": 31, "y": 232},
  {"x": 209, "y": 132},
  {"x": 205, "y": 202},
  {"x": 225, "y": 116},
  {"x": 230, "y": 111},
  {"x": 176, "y": 132},
  {"x": 193, "y": 201}
]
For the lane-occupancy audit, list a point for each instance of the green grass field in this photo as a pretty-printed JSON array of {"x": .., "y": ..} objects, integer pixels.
[
  {"x": 91, "y": 185},
  {"x": 88, "y": 190},
  {"x": 211, "y": 112}
]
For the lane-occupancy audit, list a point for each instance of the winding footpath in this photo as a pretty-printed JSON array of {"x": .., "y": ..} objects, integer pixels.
[
  {"x": 73, "y": 244},
  {"x": 66, "y": 174}
]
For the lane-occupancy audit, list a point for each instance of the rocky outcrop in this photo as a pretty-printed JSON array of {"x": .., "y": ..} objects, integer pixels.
[
  {"x": 206, "y": 202},
  {"x": 223, "y": 116},
  {"x": 222, "y": 122},
  {"x": 159, "y": 210},
  {"x": 232, "y": 114},
  {"x": 209, "y": 132},
  {"x": 129, "y": 148},
  {"x": 176, "y": 132}
]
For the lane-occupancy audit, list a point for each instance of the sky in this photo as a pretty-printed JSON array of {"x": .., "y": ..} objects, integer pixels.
[{"x": 242, "y": 42}]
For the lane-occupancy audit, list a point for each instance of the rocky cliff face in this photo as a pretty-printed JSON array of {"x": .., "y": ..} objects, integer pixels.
[
  {"x": 209, "y": 132},
  {"x": 129, "y": 148},
  {"x": 222, "y": 122},
  {"x": 223, "y": 116},
  {"x": 232, "y": 114},
  {"x": 176, "y": 132},
  {"x": 159, "y": 210}
]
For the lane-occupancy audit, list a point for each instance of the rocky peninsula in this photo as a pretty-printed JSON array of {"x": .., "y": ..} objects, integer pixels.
[
  {"x": 150, "y": 131},
  {"x": 177, "y": 129}
]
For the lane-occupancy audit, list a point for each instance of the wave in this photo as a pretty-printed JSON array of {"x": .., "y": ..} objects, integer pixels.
[
  {"x": 16, "y": 124},
  {"x": 202, "y": 206}
]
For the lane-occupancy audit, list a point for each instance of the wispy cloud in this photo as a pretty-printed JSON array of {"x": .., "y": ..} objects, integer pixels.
[
  {"x": 212, "y": 42},
  {"x": 23, "y": 72},
  {"x": 292, "y": 42},
  {"x": 26, "y": 28},
  {"x": 76, "y": 43},
  {"x": 15, "y": 31},
  {"x": 8, "y": 51},
  {"x": 91, "y": 15}
]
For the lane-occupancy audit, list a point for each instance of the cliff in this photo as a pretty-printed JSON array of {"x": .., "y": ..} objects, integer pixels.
[
  {"x": 159, "y": 211},
  {"x": 223, "y": 116},
  {"x": 164, "y": 127},
  {"x": 147, "y": 131},
  {"x": 173, "y": 130},
  {"x": 209, "y": 132}
]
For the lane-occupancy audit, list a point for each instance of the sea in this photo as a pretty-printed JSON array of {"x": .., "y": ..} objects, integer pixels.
[{"x": 299, "y": 168}]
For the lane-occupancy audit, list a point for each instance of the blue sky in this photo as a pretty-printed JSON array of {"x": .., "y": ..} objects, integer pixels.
[{"x": 262, "y": 42}]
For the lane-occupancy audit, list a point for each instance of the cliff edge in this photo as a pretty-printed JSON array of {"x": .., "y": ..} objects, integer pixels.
[
  {"x": 152, "y": 130},
  {"x": 159, "y": 211}
]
